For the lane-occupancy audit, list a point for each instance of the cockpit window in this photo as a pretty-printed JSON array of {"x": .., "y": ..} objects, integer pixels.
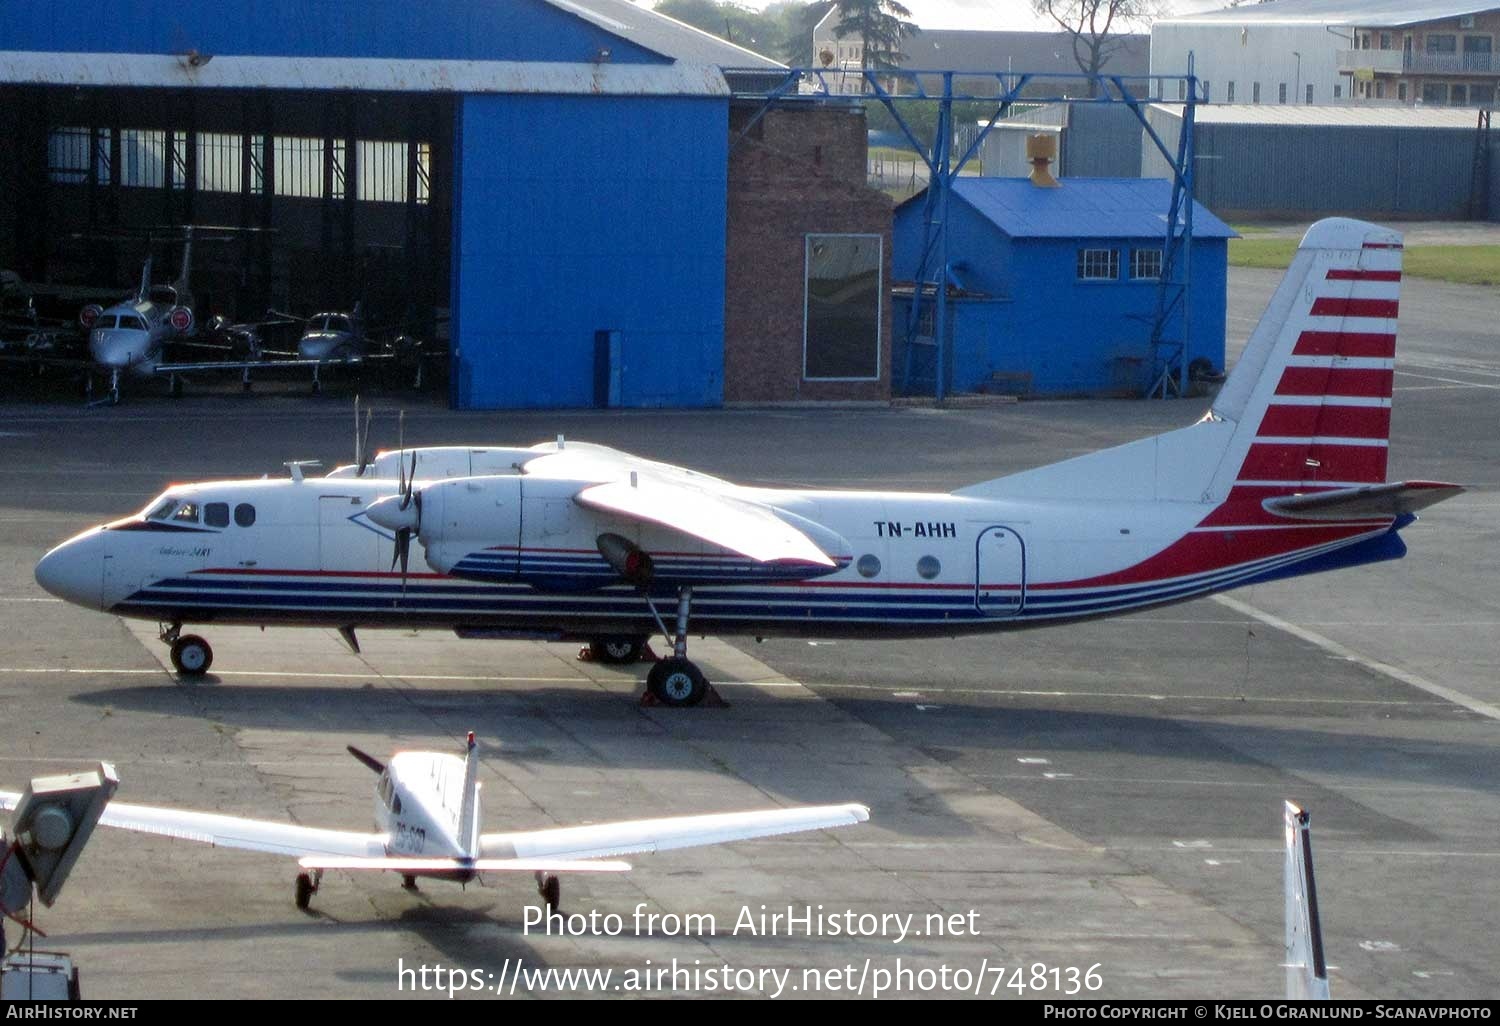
[
  {"x": 336, "y": 324},
  {"x": 135, "y": 323},
  {"x": 216, "y": 514},
  {"x": 105, "y": 321},
  {"x": 163, "y": 510},
  {"x": 187, "y": 513}
]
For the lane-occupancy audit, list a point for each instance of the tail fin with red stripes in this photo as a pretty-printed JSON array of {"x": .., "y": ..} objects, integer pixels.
[{"x": 1311, "y": 394}]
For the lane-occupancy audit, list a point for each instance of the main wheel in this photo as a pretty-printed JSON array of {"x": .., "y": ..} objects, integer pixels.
[
  {"x": 305, "y": 890},
  {"x": 550, "y": 889},
  {"x": 677, "y": 682},
  {"x": 617, "y": 649},
  {"x": 191, "y": 655}
]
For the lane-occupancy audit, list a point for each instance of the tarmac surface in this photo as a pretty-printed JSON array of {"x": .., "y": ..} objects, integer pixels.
[{"x": 1101, "y": 797}]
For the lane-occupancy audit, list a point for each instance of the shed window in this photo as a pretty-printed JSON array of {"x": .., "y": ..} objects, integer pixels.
[
  {"x": 1281, "y": 93},
  {"x": 841, "y": 339},
  {"x": 220, "y": 161},
  {"x": 1255, "y": 93},
  {"x": 1434, "y": 92},
  {"x": 68, "y": 153},
  {"x": 1229, "y": 92},
  {"x": 1145, "y": 263},
  {"x": 1442, "y": 43},
  {"x": 143, "y": 157},
  {"x": 1098, "y": 264}
]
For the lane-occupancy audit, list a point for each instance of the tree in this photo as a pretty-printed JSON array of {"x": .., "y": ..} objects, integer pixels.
[
  {"x": 797, "y": 21},
  {"x": 879, "y": 26},
  {"x": 740, "y": 25},
  {"x": 1096, "y": 27}
]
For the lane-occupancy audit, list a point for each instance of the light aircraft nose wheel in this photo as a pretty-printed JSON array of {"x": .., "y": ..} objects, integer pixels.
[
  {"x": 550, "y": 888},
  {"x": 191, "y": 655},
  {"x": 305, "y": 890},
  {"x": 677, "y": 682},
  {"x": 616, "y": 649}
]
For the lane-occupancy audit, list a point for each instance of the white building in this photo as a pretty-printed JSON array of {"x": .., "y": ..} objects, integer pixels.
[{"x": 1280, "y": 52}]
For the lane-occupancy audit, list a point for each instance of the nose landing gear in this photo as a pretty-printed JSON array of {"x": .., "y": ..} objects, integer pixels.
[{"x": 191, "y": 655}]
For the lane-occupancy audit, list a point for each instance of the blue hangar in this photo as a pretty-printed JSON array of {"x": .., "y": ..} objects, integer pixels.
[
  {"x": 1053, "y": 291},
  {"x": 546, "y": 176}
]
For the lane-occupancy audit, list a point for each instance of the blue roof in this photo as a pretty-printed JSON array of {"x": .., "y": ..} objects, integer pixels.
[{"x": 1082, "y": 208}]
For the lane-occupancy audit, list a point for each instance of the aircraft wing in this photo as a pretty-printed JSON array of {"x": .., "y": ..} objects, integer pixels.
[
  {"x": 607, "y": 840},
  {"x": 736, "y": 524},
  {"x": 233, "y": 831},
  {"x": 439, "y": 865},
  {"x": 1383, "y": 500}
]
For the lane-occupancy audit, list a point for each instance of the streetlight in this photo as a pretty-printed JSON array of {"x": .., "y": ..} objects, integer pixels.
[{"x": 1297, "y": 92}]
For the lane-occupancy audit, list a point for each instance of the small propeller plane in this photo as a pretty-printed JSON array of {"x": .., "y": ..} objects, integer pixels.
[
  {"x": 1285, "y": 475},
  {"x": 427, "y": 823}
]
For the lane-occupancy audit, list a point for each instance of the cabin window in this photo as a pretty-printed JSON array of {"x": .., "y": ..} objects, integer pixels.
[
  {"x": 841, "y": 311},
  {"x": 1098, "y": 264},
  {"x": 244, "y": 514},
  {"x": 216, "y": 514},
  {"x": 868, "y": 565},
  {"x": 928, "y": 567},
  {"x": 187, "y": 513}
]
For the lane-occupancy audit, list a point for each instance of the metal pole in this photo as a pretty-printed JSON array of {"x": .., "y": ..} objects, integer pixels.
[{"x": 942, "y": 157}]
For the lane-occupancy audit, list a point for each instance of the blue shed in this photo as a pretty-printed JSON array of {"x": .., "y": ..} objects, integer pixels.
[
  {"x": 549, "y": 174},
  {"x": 1053, "y": 291}
]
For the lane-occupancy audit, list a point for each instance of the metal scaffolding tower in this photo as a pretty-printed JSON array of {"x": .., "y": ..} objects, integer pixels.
[{"x": 893, "y": 87}]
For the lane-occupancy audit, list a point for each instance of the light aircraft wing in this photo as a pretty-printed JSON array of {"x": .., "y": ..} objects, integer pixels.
[
  {"x": 419, "y": 865},
  {"x": 607, "y": 840},
  {"x": 1381, "y": 500},
  {"x": 233, "y": 831},
  {"x": 748, "y": 528}
]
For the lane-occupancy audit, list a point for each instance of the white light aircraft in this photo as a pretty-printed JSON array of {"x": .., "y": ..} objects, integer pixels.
[
  {"x": 427, "y": 825},
  {"x": 1285, "y": 475}
]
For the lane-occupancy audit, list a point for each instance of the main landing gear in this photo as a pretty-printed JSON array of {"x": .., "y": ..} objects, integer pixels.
[
  {"x": 307, "y": 886},
  {"x": 550, "y": 888},
  {"x": 191, "y": 655},
  {"x": 616, "y": 649},
  {"x": 676, "y": 681}
]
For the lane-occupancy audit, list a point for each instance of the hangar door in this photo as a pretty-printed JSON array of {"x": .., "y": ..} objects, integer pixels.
[{"x": 1000, "y": 572}]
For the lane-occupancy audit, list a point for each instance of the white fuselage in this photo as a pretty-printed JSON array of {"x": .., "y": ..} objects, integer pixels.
[
  {"x": 129, "y": 337},
  {"x": 517, "y": 554},
  {"x": 418, "y": 804}
]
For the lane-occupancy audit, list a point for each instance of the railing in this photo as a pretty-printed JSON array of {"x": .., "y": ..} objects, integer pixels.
[{"x": 1397, "y": 61}]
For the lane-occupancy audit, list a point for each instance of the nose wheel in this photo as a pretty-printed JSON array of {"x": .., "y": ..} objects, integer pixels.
[{"x": 191, "y": 655}]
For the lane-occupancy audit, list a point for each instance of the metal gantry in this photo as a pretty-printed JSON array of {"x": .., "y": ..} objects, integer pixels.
[{"x": 893, "y": 87}]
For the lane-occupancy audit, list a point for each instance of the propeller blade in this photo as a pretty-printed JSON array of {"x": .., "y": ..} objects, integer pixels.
[{"x": 369, "y": 760}]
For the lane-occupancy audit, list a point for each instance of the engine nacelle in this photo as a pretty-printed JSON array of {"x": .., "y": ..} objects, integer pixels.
[
  {"x": 88, "y": 315},
  {"x": 181, "y": 319}
]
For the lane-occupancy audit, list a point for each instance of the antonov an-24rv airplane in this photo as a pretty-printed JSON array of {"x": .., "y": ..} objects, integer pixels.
[
  {"x": 427, "y": 818},
  {"x": 1285, "y": 475}
]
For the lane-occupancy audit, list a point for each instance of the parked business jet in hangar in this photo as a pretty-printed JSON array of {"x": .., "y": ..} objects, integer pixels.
[
  {"x": 1285, "y": 475},
  {"x": 427, "y": 823}
]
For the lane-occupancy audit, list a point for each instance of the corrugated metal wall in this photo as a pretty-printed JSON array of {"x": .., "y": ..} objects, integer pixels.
[
  {"x": 1308, "y": 171},
  {"x": 1098, "y": 140},
  {"x": 581, "y": 215},
  {"x": 1494, "y": 177},
  {"x": 515, "y": 30}
]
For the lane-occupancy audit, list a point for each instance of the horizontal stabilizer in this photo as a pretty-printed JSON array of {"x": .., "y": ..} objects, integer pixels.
[
  {"x": 404, "y": 865},
  {"x": 745, "y": 527},
  {"x": 1382, "y": 500}
]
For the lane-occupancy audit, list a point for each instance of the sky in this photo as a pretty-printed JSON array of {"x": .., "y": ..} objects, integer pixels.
[{"x": 997, "y": 14}]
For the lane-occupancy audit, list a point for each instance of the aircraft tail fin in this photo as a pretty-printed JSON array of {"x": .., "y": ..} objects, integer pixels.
[
  {"x": 1306, "y": 407},
  {"x": 468, "y": 815},
  {"x": 181, "y": 285},
  {"x": 1306, "y": 968},
  {"x": 143, "y": 291}
]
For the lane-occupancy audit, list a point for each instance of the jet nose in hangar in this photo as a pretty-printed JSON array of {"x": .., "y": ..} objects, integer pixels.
[{"x": 74, "y": 571}]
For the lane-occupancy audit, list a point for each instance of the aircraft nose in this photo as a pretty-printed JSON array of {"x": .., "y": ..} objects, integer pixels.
[{"x": 74, "y": 571}]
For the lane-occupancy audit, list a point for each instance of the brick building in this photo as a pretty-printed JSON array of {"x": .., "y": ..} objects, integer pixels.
[{"x": 807, "y": 306}]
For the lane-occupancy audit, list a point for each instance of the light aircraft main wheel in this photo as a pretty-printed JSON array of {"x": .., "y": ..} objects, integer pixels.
[
  {"x": 191, "y": 655},
  {"x": 550, "y": 888},
  {"x": 305, "y": 890},
  {"x": 677, "y": 682},
  {"x": 617, "y": 649}
]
